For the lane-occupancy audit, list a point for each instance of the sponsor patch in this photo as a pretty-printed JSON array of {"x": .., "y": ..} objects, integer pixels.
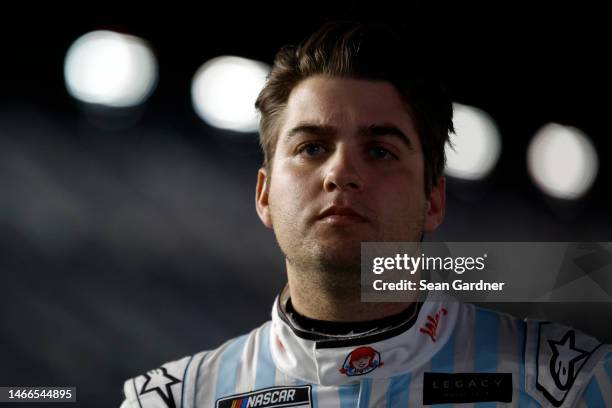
[
  {"x": 269, "y": 398},
  {"x": 562, "y": 355},
  {"x": 431, "y": 326},
  {"x": 443, "y": 388},
  {"x": 361, "y": 361},
  {"x": 160, "y": 382}
]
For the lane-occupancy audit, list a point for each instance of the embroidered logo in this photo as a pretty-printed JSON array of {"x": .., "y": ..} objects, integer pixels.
[
  {"x": 462, "y": 388},
  {"x": 431, "y": 327},
  {"x": 562, "y": 354},
  {"x": 564, "y": 360},
  {"x": 160, "y": 381},
  {"x": 272, "y": 397},
  {"x": 361, "y": 361}
]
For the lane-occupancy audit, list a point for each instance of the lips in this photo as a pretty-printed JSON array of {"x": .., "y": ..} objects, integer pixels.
[{"x": 341, "y": 213}]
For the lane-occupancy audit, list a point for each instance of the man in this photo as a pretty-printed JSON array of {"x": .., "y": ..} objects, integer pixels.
[{"x": 353, "y": 129}]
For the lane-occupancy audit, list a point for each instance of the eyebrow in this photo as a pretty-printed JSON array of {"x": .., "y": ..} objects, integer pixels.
[
  {"x": 311, "y": 129},
  {"x": 371, "y": 131},
  {"x": 386, "y": 130}
]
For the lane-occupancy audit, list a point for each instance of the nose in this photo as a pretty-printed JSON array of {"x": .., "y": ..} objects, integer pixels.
[{"x": 342, "y": 172}]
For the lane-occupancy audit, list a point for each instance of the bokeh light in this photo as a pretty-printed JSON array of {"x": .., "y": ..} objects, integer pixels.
[
  {"x": 476, "y": 144},
  {"x": 224, "y": 91},
  {"x": 110, "y": 69},
  {"x": 562, "y": 161}
]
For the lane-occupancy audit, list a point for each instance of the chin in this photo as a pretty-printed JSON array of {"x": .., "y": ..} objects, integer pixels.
[{"x": 339, "y": 258}]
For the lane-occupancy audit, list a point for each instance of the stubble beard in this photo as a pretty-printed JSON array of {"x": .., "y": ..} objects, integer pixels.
[
  {"x": 335, "y": 270},
  {"x": 334, "y": 267}
]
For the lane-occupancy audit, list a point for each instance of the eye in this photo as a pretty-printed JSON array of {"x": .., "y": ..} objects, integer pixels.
[
  {"x": 380, "y": 153},
  {"x": 311, "y": 149}
]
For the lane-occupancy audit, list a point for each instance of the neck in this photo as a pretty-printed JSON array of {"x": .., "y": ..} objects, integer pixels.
[{"x": 317, "y": 296}]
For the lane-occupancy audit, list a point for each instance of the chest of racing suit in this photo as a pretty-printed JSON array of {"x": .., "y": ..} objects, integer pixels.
[{"x": 450, "y": 354}]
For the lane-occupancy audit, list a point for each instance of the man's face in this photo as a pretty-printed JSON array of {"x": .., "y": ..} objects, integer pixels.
[{"x": 348, "y": 168}]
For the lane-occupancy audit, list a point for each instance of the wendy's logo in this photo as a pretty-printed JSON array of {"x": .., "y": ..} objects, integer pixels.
[{"x": 361, "y": 361}]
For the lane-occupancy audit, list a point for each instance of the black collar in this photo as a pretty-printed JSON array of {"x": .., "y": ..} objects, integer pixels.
[{"x": 341, "y": 334}]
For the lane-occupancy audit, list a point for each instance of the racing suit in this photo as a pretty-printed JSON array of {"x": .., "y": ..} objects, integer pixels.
[{"x": 450, "y": 353}]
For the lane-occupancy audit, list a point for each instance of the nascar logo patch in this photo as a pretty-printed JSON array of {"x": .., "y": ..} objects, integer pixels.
[{"x": 269, "y": 398}]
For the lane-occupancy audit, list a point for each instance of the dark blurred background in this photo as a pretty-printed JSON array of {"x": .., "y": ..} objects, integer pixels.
[{"x": 128, "y": 237}]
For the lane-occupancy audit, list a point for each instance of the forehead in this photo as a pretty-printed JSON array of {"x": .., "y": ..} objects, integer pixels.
[{"x": 347, "y": 102}]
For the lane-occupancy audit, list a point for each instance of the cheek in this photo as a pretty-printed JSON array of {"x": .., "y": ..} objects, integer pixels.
[
  {"x": 288, "y": 192},
  {"x": 398, "y": 190},
  {"x": 399, "y": 202}
]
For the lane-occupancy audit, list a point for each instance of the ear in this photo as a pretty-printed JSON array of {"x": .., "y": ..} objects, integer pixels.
[
  {"x": 436, "y": 206},
  {"x": 261, "y": 198}
]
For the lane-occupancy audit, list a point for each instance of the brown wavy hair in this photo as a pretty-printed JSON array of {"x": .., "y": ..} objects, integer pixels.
[{"x": 362, "y": 51}]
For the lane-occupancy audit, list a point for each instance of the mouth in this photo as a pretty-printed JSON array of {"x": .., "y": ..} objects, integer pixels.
[{"x": 341, "y": 215}]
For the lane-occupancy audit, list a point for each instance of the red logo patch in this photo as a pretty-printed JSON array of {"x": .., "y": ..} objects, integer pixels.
[
  {"x": 361, "y": 361},
  {"x": 431, "y": 327}
]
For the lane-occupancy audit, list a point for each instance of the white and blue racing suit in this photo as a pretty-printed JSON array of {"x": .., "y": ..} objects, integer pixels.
[{"x": 450, "y": 353}]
